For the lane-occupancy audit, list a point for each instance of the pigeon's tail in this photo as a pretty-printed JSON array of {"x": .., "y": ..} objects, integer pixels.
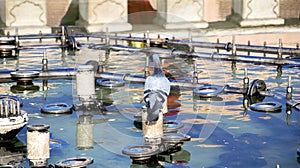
[{"x": 154, "y": 102}]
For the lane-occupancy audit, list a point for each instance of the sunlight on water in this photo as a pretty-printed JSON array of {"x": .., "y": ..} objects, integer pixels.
[{"x": 224, "y": 133}]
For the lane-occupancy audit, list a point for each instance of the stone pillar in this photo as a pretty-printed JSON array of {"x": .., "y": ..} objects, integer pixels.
[
  {"x": 56, "y": 10},
  {"x": 256, "y": 12},
  {"x": 29, "y": 16},
  {"x": 180, "y": 14},
  {"x": 97, "y": 15},
  {"x": 217, "y": 10}
]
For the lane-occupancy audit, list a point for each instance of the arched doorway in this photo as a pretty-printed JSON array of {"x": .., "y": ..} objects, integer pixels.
[{"x": 141, "y": 11}]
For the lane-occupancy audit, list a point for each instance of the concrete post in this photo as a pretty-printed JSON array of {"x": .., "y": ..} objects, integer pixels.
[
  {"x": 256, "y": 12},
  {"x": 97, "y": 15},
  {"x": 85, "y": 82},
  {"x": 38, "y": 145},
  {"x": 29, "y": 16},
  {"x": 181, "y": 14},
  {"x": 154, "y": 132}
]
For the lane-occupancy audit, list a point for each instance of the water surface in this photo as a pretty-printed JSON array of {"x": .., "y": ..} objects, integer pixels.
[{"x": 224, "y": 133}]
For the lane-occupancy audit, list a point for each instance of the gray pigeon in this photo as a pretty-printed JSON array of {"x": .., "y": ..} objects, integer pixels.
[{"x": 157, "y": 88}]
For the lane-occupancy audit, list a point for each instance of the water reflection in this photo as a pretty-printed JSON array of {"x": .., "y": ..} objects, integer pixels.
[
  {"x": 24, "y": 88},
  {"x": 225, "y": 132},
  {"x": 12, "y": 152},
  {"x": 104, "y": 96},
  {"x": 170, "y": 159},
  {"x": 288, "y": 111},
  {"x": 248, "y": 146},
  {"x": 85, "y": 132}
]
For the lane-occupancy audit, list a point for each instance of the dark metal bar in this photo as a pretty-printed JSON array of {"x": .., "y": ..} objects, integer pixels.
[
  {"x": 63, "y": 36},
  {"x": 1, "y": 109},
  {"x": 246, "y": 78},
  {"x": 230, "y": 89},
  {"x": 239, "y": 47},
  {"x": 289, "y": 89},
  {"x": 195, "y": 74},
  {"x": 218, "y": 41},
  {"x": 41, "y": 46},
  {"x": 249, "y": 44},
  {"x": 264, "y": 49},
  {"x": 40, "y": 34},
  {"x": 57, "y": 72},
  {"x": 280, "y": 49},
  {"x": 140, "y": 79},
  {"x": 70, "y": 72},
  {"x": 206, "y": 55},
  {"x": 217, "y": 45},
  {"x": 233, "y": 46},
  {"x": 147, "y": 66}
]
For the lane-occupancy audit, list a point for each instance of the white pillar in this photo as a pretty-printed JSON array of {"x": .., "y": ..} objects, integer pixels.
[
  {"x": 97, "y": 15},
  {"x": 85, "y": 82},
  {"x": 29, "y": 16},
  {"x": 256, "y": 12},
  {"x": 180, "y": 14}
]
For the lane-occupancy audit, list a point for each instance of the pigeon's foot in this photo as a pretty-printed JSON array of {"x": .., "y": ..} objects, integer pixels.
[{"x": 151, "y": 122}]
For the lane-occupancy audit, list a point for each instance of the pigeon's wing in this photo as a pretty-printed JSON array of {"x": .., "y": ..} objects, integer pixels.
[
  {"x": 154, "y": 102},
  {"x": 157, "y": 83}
]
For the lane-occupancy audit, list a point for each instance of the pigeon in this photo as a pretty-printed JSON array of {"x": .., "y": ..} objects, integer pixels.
[{"x": 156, "y": 91}]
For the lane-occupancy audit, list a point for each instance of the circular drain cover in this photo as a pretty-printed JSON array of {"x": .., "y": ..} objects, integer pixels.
[
  {"x": 75, "y": 162},
  {"x": 175, "y": 137},
  {"x": 208, "y": 91},
  {"x": 110, "y": 82},
  {"x": 141, "y": 151},
  {"x": 57, "y": 108},
  {"x": 266, "y": 106},
  {"x": 171, "y": 126},
  {"x": 24, "y": 75},
  {"x": 41, "y": 127}
]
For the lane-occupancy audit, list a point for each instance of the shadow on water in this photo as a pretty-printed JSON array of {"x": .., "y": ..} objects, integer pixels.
[{"x": 12, "y": 152}]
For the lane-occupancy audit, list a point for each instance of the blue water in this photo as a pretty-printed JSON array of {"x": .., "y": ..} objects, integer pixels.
[{"x": 223, "y": 133}]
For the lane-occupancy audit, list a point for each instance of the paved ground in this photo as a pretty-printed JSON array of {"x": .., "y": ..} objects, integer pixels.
[{"x": 289, "y": 33}]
